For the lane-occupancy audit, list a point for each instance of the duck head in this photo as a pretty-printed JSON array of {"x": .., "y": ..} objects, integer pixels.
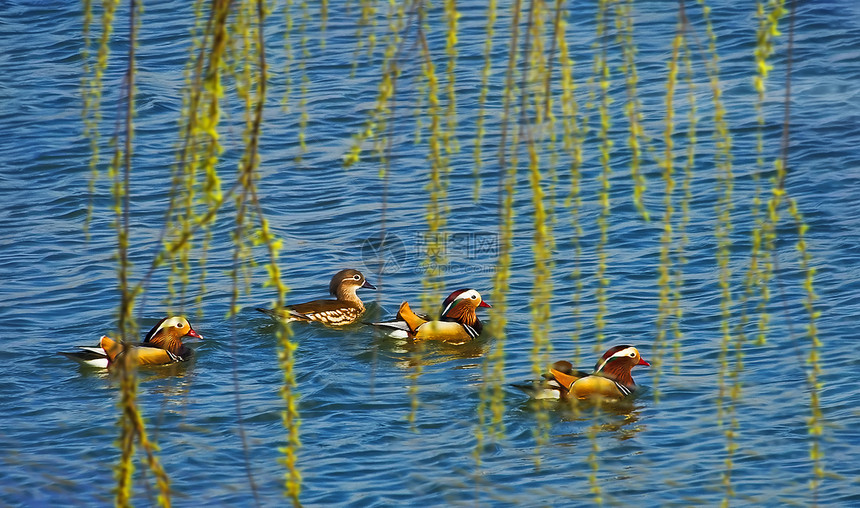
[
  {"x": 345, "y": 283},
  {"x": 618, "y": 361},
  {"x": 169, "y": 330},
  {"x": 461, "y": 305}
]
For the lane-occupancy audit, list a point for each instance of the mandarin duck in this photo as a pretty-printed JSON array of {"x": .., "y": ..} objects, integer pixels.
[
  {"x": 458, "y": 323},
  {"x": 344, "y": 311},
  {"x": 161, "y": 346},
  {"x": 611, "y": 378}
]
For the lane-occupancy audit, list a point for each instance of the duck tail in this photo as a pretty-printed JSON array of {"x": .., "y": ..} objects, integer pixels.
[
  {"x": 412, "y": 320},
  {"x": 111, "y": 347},
  {"x": 269, "y": 312},
  {"x": 91, "y": 356},
  {"x": 390, "y": 325},
  {"x": 286, "y": 315},
  {"x": 566, "y": 379},
  {"x": 538, "y": 390}
]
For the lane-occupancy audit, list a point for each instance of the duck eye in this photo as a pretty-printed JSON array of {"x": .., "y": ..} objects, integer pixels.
[
  {"x": 632, "y": 355},
  {"x": 474, "y": 297},
  {"x": 179, "y": 325},
  {"x": 356, "y": 277}
]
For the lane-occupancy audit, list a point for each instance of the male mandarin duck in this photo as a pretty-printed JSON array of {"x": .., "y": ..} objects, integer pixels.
[
  {"x": 611, "y": 378},
  {"x": 161, "y": 346},
  {"x": 344, "y": 311},
  {"x": 458, "y": 323}
]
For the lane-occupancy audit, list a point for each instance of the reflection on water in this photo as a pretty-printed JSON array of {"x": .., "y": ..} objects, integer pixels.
[
  {"x": 174, "y": 385},
  {"x": 619, "y": 419},
  {"x": 172, "y": 380},
  {"x": 409, "y": 353}
]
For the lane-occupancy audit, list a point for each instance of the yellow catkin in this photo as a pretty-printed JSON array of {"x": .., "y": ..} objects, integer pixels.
[
  {"x": 197, "y": 166},
  {"x": 290, "y": 415},
  {"x": 725, "y": 186},
  {"x": 377, "y": 124},
  {"x": 367, "y": 20},
  {"x": 533, "y": 99},
  {"x": 687, "y": 195},
  {"x": 286, "y": 360},
  {"x": 198, "y": 155},
  {"x": 501, "y": 278},
  {"x": 756, "y": 275},
  {"x": 91, "y": 86},
  {"x": 492, "y": 391},
  {"x": 449, "y": 133},
  {"x": 664, "y": 282},
  {"x": 815, "y": 422},
  {"x": 131, "y": 425},
  {"x": 90, "y": 108},
  {"x": 603, "y": 79},
  {"x": 289, "y": 61},
  {"x": 573, "y": 145},
  {"x": 436, "y": 216},
  {"x": 120, "y": 164},
  {"x": 127, "y": 406},
  {"x": 550, "y": 116},
  {"x": 764, "y": 235},
  {"x": 778, "y": 196},
  {"x": 387, "y": 88},
  {"x": 323, "y": 22},
  {"x": 632, "y": 108},
  {"x": 492, "y": 376},
  {"x": 507, "y": 156},
  {"x": 594, "y": 462},
  {"x": 480, "y": 131},
  {"x": 304, "y": 116},
  {"x": 248, "y": 90}
]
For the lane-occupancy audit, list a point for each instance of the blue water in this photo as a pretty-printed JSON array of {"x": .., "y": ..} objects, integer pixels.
[{"x": 58, "y": 422}]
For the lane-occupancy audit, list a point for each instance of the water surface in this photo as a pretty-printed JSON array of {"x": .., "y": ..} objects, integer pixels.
[{"x": 59, "y": 429}]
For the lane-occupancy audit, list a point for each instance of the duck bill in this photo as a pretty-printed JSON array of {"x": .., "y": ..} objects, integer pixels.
[
  {"x": 192, "y": 333},
  {"x": 368, "y": 285},
  {"x": 485, "y": 304},
  {"x": 643, "y": 362}
]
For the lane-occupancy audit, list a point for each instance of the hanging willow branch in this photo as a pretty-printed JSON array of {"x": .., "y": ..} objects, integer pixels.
[
  {"x": 231, "y": 44},
  {"x": 189, "y": 213}
]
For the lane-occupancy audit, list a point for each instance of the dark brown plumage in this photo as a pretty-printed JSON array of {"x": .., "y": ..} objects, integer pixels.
[{"x": 345, "y": 310}]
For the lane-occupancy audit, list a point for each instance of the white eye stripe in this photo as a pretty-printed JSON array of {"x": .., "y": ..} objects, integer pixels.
[
  {"x": 472, "y": 294},
  {"x": 631, "y": 352},
  {"x": 178, "y": 322}
]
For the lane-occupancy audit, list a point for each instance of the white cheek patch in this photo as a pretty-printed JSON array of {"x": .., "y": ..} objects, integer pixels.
[
  {"x": 620, "y": 354},
  {"x": 626, "y": 352},
  {"x": 171, "y": 322},
  {"x": 471, "y": 294}
]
